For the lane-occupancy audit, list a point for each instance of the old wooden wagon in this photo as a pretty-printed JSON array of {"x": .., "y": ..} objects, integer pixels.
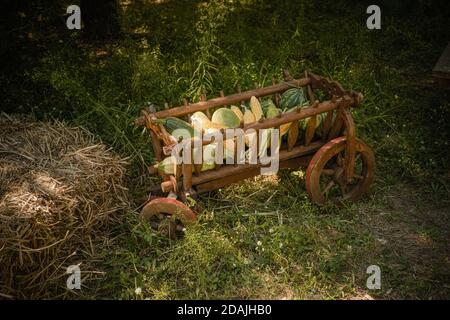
[{"x": 340, "y": 167}]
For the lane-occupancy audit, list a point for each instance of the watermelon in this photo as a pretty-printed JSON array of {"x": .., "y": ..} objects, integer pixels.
[
  {"x": 266, "y": 104},
  {"x": 272, "y": 111},
  {"x": 226, "y": 118},
  {"x": 177, "y": 128},
  {"x": 293, "y": 97}
]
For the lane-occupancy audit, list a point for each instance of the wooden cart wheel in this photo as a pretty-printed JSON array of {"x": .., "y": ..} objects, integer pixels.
[
  {"x": 168, "y": 216},
  {"x": 325, "y": 179}
]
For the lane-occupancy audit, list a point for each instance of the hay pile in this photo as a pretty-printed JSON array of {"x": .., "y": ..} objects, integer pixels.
[{"x": 60, "y": 191}]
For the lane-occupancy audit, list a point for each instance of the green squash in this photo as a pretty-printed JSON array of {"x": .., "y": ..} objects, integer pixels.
[
  {"x": 266, "y": 104},
  {"x": 225, "y": 118}
]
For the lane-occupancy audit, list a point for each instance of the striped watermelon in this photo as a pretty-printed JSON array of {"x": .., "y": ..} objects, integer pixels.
[{"x": 293, "y": 97}]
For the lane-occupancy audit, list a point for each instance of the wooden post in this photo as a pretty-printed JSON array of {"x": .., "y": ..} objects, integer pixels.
[
  {"x": 156, "y": 144},
  {"x": 292, "y": 135},
  {"x": 287, "y": 75},
  {"x": 338, "y": 123},
  {"x": 350, "y": 146},
  {"x": 311, "y": 126},
  {"x": 203, "y": 99},
  {"x": 276, "y": 96},
  {"x": 187, "y": 176},
  {"x": 327, "y": 123}
]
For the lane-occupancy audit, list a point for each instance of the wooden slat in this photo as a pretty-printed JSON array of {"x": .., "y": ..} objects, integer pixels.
[
  {"x": 311, "y": 125},
  {"x": 337, "y": 126},
  {"x": 327, "y": 124},
  {"x": 187, "y": 176},
  {"x": 350, "y": 146},
  {"x": 156, "y": 144},
  {"x": 310, "y": 130},
  {"x": 292, "y": 135}
]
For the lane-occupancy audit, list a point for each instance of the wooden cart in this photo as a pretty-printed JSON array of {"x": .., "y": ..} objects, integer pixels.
[{"x": 339, "y": 165}]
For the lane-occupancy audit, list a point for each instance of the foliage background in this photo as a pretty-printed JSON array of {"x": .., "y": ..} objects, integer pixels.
[{"x": 168, "y": 50}]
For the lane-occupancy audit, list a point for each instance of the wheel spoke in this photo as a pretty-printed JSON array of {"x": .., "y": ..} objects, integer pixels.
[
  {"x": 328, "y": 187},
  {"x": 343, "y": 188},
  {"x": 165, "y": 215},
  {"x": 154, "y": 225},
  {"x": 329, "y": 163},
  {"x": 358, "y": 177},
  {"x": 340, "y": 160}
]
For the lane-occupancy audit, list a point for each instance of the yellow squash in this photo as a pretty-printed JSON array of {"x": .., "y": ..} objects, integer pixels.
[
  {"x": 256, "y": 108},
  {"x": 238, "y": 112},
  {"x": 249, "y": 117},
  {"x": 201, "y": 119}
]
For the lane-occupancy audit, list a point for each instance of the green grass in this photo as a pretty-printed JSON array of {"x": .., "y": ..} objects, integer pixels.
[{"x": 243, "y": 245}]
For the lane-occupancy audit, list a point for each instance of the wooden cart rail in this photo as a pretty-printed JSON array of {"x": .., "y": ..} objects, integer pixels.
[
  {"x": 231, "y": 99},
  {"x": 332, "y": 88}
]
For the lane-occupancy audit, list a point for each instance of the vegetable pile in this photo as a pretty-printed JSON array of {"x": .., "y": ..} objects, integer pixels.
[{"x": 232, "y": 117}]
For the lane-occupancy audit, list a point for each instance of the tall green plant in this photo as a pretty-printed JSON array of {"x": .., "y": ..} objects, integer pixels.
[{"x": 212, "y": 16}]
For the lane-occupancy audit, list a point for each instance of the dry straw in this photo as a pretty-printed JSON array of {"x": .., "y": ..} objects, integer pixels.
[{"x": 60, "y": 193}]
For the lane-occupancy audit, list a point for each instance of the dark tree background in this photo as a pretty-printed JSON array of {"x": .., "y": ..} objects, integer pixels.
[{"x": 100, "y": 18}]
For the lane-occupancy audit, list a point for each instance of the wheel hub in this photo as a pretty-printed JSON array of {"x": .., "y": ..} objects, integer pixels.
[
  {"x": 168, "y": 216},
  {"x": 326, "y": 172}
]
